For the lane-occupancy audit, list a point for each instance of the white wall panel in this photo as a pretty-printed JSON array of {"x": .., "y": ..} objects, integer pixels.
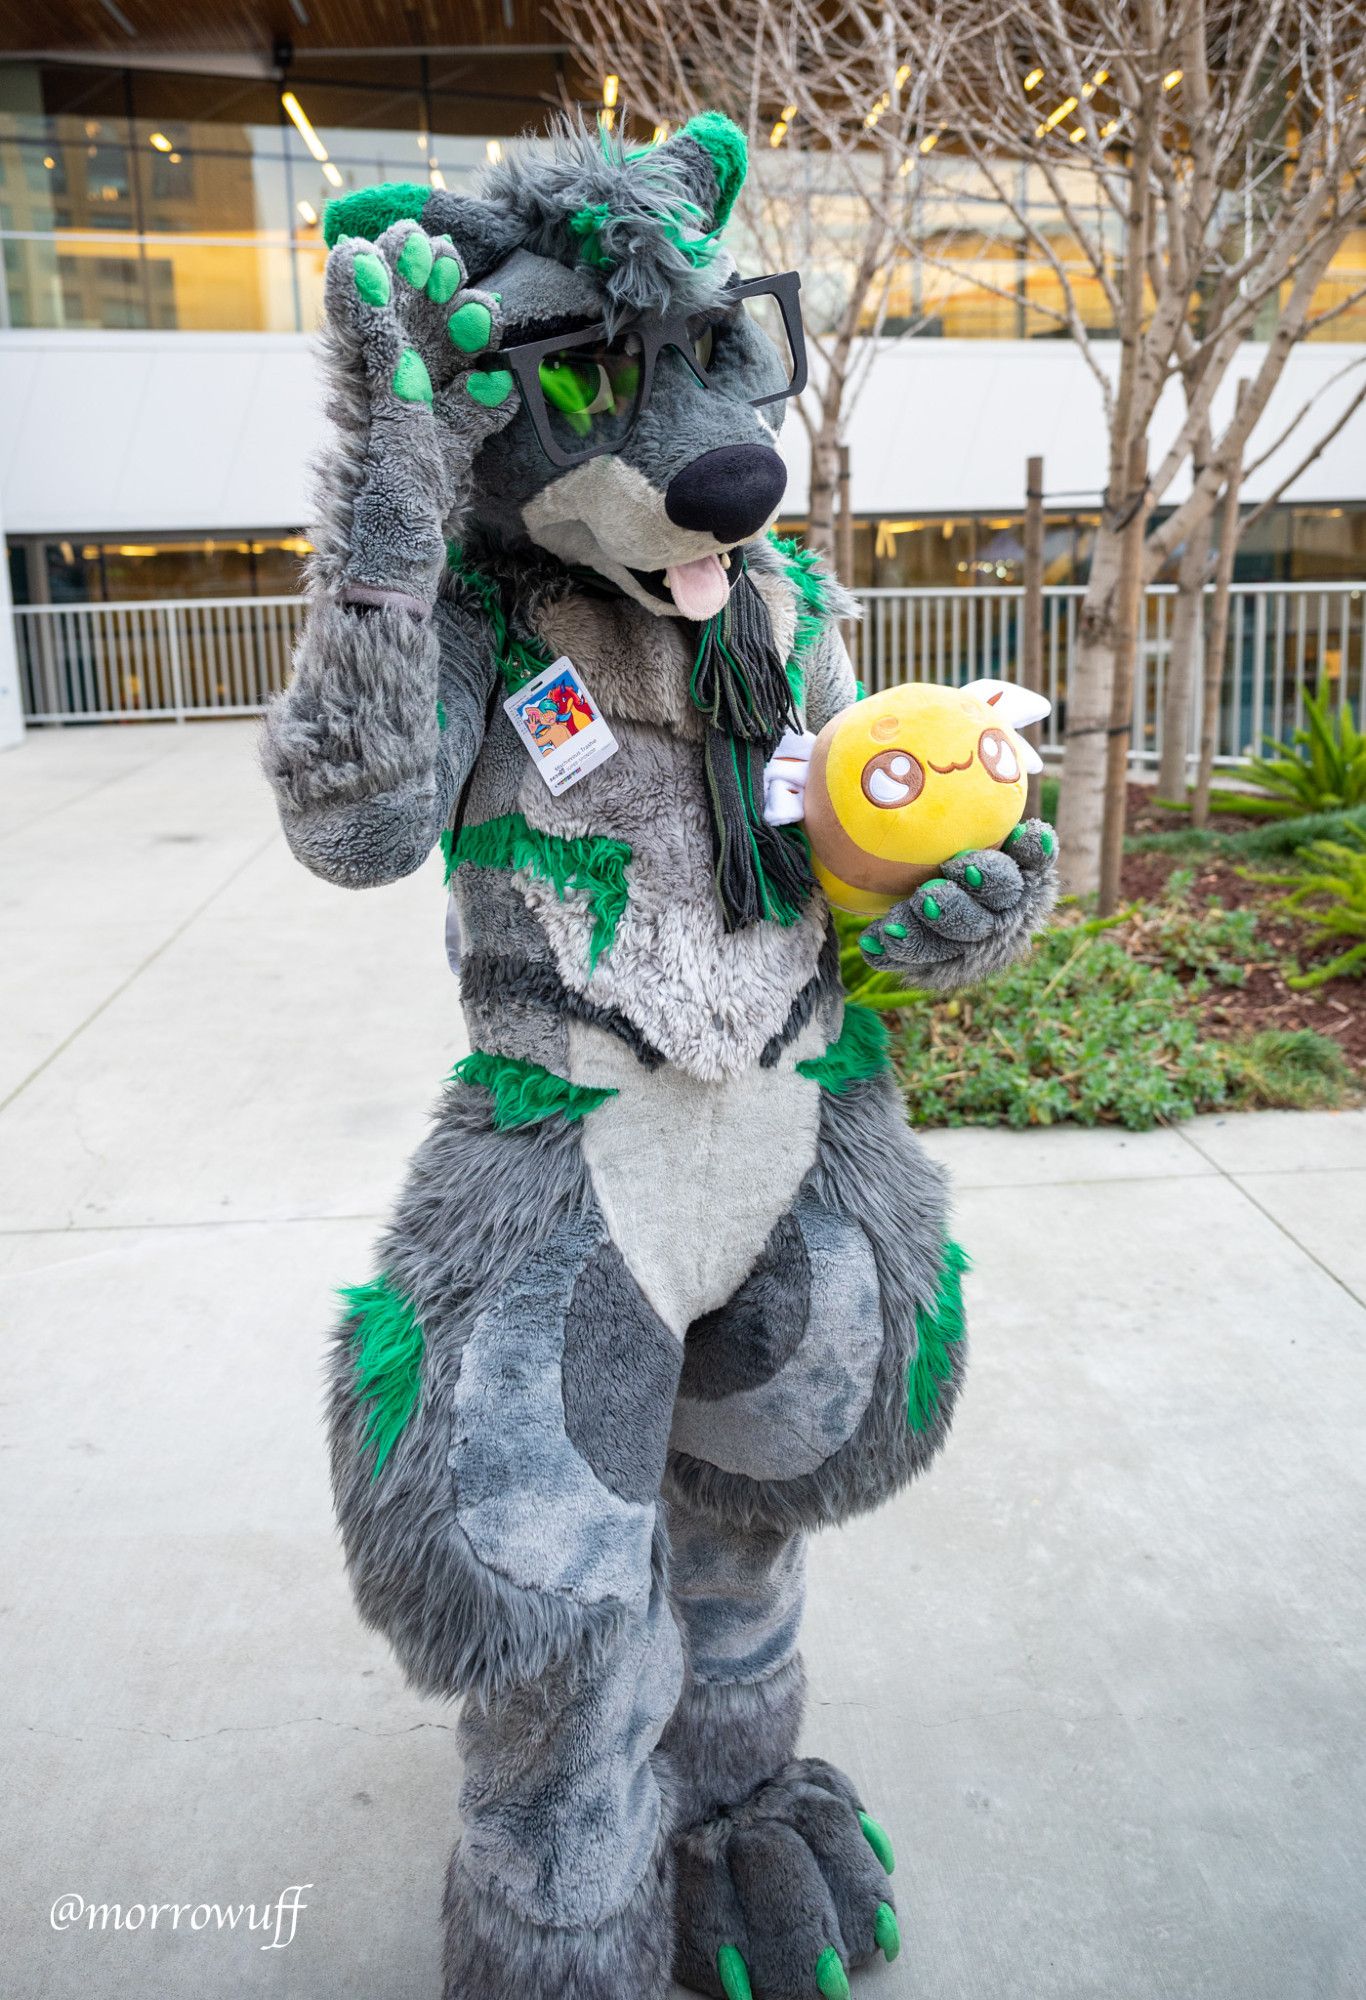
[{"x": 128, "y": 432}]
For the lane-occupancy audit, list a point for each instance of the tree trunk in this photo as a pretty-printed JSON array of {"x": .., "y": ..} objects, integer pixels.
[
  {"x": 1090, "y": 678},
  {"x": 1182, "y": 664},
  {"x": 820, "y": 526}
]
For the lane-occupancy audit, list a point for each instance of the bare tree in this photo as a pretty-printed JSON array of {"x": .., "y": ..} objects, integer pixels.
[
  {"x": 1202, "y": 161},
  {"x": 837, "y": 126}
]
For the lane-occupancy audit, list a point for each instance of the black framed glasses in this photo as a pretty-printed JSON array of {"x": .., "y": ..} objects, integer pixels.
[{"x": 585, "y": 389}]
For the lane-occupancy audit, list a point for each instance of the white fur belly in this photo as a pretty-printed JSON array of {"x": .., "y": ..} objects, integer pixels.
[
  {"x": 707, "y": 999},
  {"x": 692, "y": 1175}
]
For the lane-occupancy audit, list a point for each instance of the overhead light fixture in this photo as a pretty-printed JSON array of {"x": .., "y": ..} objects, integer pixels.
[
  {"x": 661, "y": 133},
  {"x": 1076, "y": 136},
  {"x": 1111, "y": 126},
  {"x": 493, "y": 151},
  {"x": 49, "y": 162},
  {"x": 1034, "y": 79},
  {"x": 929, "y": 142},
  {"x": 160, "y": 141},
  {"x": 308, "y": 212},
  {"x": 903, "y": 74},
  {"x": 610, "y": 86},
  {"x": 295, "y": 111},
  {"x": 174, "y": 159},
  {"x": 1172, "y": 78},
  {"x": 779, "y": 133},
  {"x": 422, "y": 142},
  {"x": 437, "y": 178},
  {"x": 606, "y": 120},
  {"x": 872, "y": 116},
  {"x": 331, "y": 175},
  {"x": 1055, "y": 117},
  {"x": 1090, "y": 89}
]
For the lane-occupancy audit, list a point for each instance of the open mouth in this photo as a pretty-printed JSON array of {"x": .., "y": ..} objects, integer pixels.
[{"x": 698, "y": 589}]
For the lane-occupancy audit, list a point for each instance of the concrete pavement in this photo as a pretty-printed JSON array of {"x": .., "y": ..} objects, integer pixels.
[{"x": 1102, "y": 1675}]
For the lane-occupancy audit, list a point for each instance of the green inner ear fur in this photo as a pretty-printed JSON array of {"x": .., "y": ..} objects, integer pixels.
[{"x": 725, "y": 145}]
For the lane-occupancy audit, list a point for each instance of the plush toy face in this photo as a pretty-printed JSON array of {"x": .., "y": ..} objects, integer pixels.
[{"x": 920, "y": 773}]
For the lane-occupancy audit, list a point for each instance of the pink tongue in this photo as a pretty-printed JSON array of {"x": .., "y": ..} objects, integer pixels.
[{"x": 699, "y": 588}]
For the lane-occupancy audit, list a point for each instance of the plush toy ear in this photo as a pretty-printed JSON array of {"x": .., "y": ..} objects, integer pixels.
[
  {"x": 1017, "y": 708},
  {"x": 711, "y": 155}
]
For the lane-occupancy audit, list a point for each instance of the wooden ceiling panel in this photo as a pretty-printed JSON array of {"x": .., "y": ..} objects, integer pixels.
[{"x": 250, "y": 27}]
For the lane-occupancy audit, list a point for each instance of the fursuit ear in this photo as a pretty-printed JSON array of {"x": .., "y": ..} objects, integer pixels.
[
  {"x": 711, "y": 157},
  {"x": 484, "y": 235}
]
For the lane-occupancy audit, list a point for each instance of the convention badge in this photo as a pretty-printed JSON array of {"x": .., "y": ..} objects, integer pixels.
[{"x": 564, "y": 731}]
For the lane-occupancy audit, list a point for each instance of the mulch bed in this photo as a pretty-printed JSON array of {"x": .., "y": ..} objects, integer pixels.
[{"x": 1264, "y": 1001}]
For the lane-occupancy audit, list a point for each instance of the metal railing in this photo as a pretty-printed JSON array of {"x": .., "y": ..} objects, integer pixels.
[{"x": 197, "y": 657}]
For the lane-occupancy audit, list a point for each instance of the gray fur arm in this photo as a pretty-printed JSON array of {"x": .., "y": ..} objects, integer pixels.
[
  {"x": 830, "y": 682},
  {"x": 365, "y": 775},
  {"x": 975, "y": 917}
]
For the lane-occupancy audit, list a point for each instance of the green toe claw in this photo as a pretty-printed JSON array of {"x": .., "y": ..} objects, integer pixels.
[
  {"x": 871, "y": 942},
  {"x": 1012, "y": 836},
  {"x": 489, "y": 386},
  {"x": 876, "y": 1837},
  {"x": 412, "y": 383},
  {"x": 1048, "y": 840},
  {"x": 831, "y": 1977},
  {"x": 470, "y": 326},
  {"x": 972, "y": 875},
  {"x": 444, "y": 280},
  {"x": 733, "y": 1974},
  {"x": 372, "y": 280},
  {"x": 895, "y": 930},
  {"x": 415, "y": 260},
  {"x": 887, "y": 1931},
  {"x": 930, "y": 910}
]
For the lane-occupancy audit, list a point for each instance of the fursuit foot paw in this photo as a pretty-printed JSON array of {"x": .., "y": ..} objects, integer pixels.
[{"x": 779, "y": 1897}]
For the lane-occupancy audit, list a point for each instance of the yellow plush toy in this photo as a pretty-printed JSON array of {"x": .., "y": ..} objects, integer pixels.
[{"x": 897, "y": 784}]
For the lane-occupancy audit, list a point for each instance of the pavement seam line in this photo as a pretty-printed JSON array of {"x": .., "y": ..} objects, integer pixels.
[
  {"x": 137, "y": 971},
  {"x": 1235, "y": 1181}
]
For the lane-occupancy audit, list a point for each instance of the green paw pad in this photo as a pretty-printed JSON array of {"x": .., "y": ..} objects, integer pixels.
[
  {"x": 412, "y": 383},
  {"x": 876, "y": 1837},
  {"x": 895, "y": 930},
  {"x": 887, "y": 1931},
  {"x": 490, "y": 387},
  {"x": 415, "y": 260},
  {"x": 444, "y": 280},
  {"x": 372, "y": 280},
  {"x": 470, "y": 326},
  {"x": 872, "y": 943},
  {"x": 831, "y": 1977},
  {"x": 733, "y": 1974},
  {"x": 972, "y": 875}
]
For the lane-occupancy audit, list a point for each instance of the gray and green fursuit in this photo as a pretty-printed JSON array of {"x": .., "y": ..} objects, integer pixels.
[{"x": 669, "y": 1285}]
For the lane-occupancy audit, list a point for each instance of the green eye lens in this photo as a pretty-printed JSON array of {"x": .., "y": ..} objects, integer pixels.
[{"x": 567, "y": 385}]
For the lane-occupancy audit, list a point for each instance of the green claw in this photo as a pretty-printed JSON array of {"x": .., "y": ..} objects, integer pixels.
[
  {"x": 444, "y": 280},
  {"x": 887, "y": 1931},
  {"x": 895, "y": 930},
  {"x": 871, "y": 942},
  {"x": 831, "y": 1977},
  {"x": 733, "y": 1973},
  {"x": 1012, "y": 836},
  {"x": 415, "y": 260},
  {"x": 972, "y": 875},
  {"x": 470, "y": 326},
  {"x": 412, "y": 383},
  {"x": 876, "y": 1837},
  {"x": 372, "y": 280},
  {"x": 489, "y": 386},
  {"x": 1048, "y": 840},
  {"x": 930, "y": 910}
]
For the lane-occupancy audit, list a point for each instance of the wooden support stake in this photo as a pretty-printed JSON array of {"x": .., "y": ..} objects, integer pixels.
[
  {"x": 1131, "y": 634},
  {"x": 1031, "y": 612}
]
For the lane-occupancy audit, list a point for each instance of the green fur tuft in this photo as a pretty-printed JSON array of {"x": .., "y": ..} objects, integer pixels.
[
  {"x": 523, "y": 1093},
  {"x": 587, "y": 224},
  {"x": 387, "y": 1343},
  {"x": 595, "y": 868},
  {"x": 369, "y": 211},
  {"x": 725, "y": 145},
  {"x": 939, "y": 1329},
  {"x": 858, "y": 1054},
  {"x": 806, "y": 572},
  {"x": 519, "y": 661}
]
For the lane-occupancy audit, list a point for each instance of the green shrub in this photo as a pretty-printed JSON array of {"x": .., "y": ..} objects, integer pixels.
[
  {"x": 1188, "y": 937},
  {"x": 1282, "y": 836},
  {"x": 1077, "y": 1030},
  {"x": 1329, "y": 894},
  {"x": 1321, "y": 768},
  {"x": 1287, "y": 1069}
]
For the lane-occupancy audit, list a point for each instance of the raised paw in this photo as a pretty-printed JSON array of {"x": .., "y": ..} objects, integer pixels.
[
  {"x": 779, "y": 1897},
  {"x": 401, "y": 308},
  {"x": 972, "y": 917}
]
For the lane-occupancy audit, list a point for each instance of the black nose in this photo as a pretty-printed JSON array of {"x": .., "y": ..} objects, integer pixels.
[{"x": 728, "y": 493}]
